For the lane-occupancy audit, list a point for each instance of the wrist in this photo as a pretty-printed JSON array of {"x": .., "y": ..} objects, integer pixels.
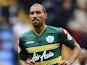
[{"x": 70, "y": 61}]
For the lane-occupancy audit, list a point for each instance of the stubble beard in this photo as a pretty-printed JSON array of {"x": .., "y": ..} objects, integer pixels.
[{"x": 37, "y": 26}]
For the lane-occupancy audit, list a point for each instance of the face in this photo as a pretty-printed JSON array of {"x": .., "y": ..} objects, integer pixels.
[{"x": 37, "y": 16}]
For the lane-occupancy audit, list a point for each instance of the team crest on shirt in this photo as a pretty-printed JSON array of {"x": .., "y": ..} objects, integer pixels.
[{"x": 50, "y": 39}]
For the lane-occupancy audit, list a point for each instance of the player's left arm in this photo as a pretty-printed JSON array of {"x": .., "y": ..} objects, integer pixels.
[{"x": 75, "y": 50}]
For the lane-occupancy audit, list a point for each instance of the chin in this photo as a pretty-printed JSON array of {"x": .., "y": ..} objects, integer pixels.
[{"x": 37, "y": 26}]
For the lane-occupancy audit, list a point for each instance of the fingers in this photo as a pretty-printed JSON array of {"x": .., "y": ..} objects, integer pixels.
[
  {"x": 30, "y": 62},
  {"x": 63, "y": 62}
]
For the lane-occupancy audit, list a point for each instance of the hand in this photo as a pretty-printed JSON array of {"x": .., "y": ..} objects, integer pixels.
[
  {"x": 30, "y": 62},
  {"x": 64, "y": 62}
]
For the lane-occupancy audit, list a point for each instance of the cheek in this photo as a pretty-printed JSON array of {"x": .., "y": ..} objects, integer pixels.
[{"x": 42, "y": 18}]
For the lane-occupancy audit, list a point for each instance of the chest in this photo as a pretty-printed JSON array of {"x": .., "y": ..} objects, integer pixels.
[{"x": 40, "y": 40}]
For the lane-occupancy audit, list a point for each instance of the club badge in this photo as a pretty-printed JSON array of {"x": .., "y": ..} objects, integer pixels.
[{"x": 50, "y": 39}]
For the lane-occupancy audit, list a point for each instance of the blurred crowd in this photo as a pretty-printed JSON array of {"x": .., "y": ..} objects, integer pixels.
[{"x": 14, "y": 20}]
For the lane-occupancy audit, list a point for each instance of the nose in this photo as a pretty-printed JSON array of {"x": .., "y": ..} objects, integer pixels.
[{"x": 34, "y": 15}]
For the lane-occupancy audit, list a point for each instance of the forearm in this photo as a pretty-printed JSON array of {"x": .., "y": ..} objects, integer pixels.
[
  {"x": 22, "y": 62},
  {"x": 74, "y": 54}
]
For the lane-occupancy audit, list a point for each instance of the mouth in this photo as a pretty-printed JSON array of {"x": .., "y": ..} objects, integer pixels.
[{"x": 35, "y": 20}]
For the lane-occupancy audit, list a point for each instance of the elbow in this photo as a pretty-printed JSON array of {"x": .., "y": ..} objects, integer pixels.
[{"x": 77, "y": 47}]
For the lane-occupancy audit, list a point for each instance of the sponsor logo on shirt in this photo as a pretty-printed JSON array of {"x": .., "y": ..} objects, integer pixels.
[
  {"x": 69, "y": 37},
  {"x": 43, "y": 56}
]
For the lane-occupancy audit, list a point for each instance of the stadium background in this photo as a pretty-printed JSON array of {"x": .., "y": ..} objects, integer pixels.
[{"x": 14, "y": 20}]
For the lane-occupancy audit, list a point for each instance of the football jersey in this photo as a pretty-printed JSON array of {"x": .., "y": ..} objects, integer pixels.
[{"x": 44, "y": 48}]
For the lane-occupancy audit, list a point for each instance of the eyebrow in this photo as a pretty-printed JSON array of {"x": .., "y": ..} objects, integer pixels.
[{"x": 35, "y": 11}]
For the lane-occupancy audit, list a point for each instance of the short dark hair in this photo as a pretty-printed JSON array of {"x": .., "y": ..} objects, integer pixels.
[{"x": 44, "y": 10}]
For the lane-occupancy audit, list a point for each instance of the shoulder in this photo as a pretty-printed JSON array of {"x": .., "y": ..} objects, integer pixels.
[
  {"x": 58, "y": 30},
  {"x": 26, "y": 34}
]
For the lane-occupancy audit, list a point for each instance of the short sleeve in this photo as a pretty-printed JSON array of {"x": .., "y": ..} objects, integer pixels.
[
  {"x": 23, "y": 53},
  {"x": 65, "y": 38}
]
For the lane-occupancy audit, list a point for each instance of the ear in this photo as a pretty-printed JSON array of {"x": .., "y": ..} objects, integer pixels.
[{"x": 45, "y": 15}]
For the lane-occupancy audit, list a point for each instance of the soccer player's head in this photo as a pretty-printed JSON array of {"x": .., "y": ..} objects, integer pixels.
[{"x": 38, "y": 15}]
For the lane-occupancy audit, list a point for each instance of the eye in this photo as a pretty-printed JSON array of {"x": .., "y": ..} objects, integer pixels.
[
  {"x": 31, "y": 13},
  {"x": 38, "y": 12}
]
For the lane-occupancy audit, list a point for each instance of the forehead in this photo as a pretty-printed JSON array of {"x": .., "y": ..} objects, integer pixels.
[{"x": 36, "y": 8}]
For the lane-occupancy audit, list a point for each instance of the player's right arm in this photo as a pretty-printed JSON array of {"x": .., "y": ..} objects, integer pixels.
[
  {"x": 28, "y": 62},
  {"x": 22, "y": 62},
  {"x": 22, "y": 54}
]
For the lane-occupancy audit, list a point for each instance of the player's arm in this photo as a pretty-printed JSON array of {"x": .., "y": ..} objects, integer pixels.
[
  {"x": 68, "y": 40},
  {"x": 22, "y": 53},
  {"x": 27, "y": 62},
  {"x": 22, "y": 62},
  {"x": 75, "y": 52}
]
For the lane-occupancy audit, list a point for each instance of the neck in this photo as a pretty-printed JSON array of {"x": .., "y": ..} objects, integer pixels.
[{"x": 39, "y": 30}]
